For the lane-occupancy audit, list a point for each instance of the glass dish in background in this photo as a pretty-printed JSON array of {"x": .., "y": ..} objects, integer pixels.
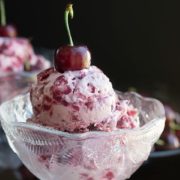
[
  {"x": 11, "y": 85},
  {"x": 52, "y": 154}
]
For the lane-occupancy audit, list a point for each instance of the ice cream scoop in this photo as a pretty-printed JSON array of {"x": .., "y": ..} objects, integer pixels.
[
  {"x": 79, "y": 101},
  {"x": 15, "y": 52}
]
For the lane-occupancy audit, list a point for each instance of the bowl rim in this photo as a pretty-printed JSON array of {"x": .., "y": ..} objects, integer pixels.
[{"x": 46, "y": 129}]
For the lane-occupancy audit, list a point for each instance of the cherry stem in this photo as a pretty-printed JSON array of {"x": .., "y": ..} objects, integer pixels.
[
  {"x": 69, "y": 11},
  {"x": 3, "y": 13},
  {"x": 27, "y": 66}
]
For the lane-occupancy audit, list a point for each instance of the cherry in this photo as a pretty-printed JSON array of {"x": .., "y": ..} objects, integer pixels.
[
  {"x": 6, "y": 30},
  {"x": 171, "y": 140},
  {"x": 71, "y": 57},
  {"x": 178, "y": 134}
]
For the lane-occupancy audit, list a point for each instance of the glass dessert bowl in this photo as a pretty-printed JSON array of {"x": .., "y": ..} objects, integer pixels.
[{"x": 52, "y": 154}]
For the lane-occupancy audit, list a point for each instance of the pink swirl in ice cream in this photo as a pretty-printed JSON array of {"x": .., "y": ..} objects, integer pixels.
[
  {"x": 80, "y": 101},
  {"x": 14, "y": 52}
]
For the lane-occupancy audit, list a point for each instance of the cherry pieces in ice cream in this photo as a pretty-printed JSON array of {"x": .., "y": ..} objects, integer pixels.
[{"x": 80, "y": 101}]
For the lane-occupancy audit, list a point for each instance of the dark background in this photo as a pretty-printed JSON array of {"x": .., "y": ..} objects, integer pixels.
[{"x": 135, "y": 42}]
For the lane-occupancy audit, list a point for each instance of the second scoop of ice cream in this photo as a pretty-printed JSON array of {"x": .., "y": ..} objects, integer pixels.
[
  {"x": 79, "y": 101},
  {"x": 15, "y": 52}
]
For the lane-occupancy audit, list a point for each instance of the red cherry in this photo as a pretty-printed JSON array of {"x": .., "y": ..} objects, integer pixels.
[
  {"x": 5, "y": 29},
  {"x": 72, "y": 58},
  {"x": 8, "y": 31}
]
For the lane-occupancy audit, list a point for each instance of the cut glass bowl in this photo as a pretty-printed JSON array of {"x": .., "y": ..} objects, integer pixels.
[{"x": 51, "y": 154}]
